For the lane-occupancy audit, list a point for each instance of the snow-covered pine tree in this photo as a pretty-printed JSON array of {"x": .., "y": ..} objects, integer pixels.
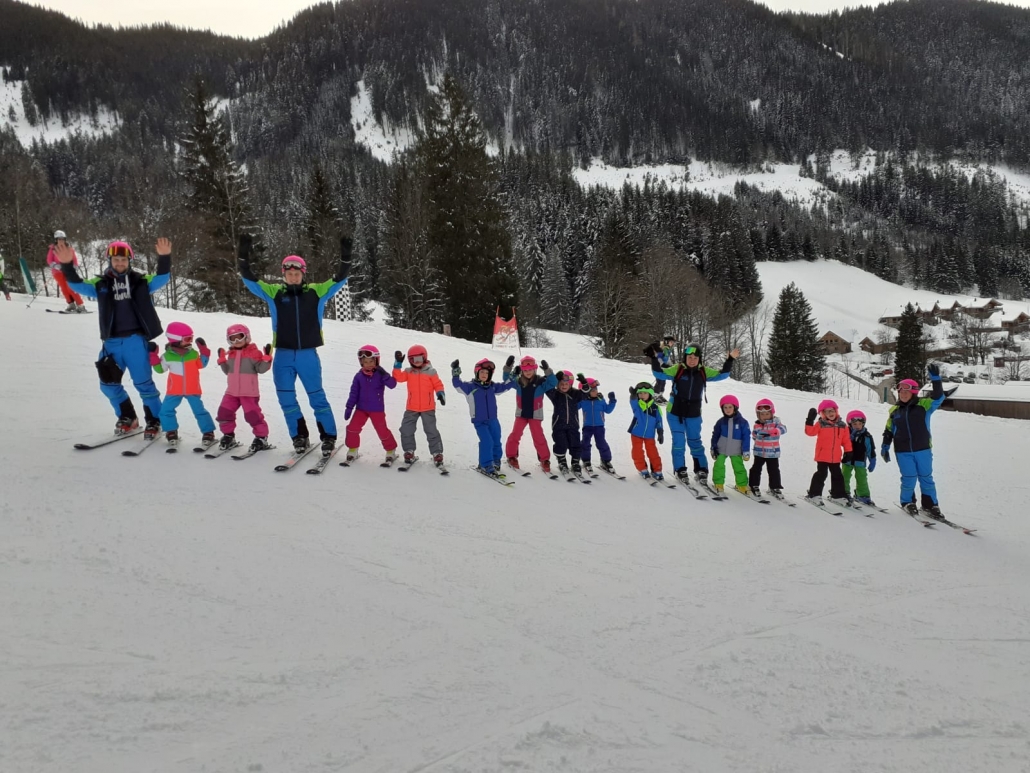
[
  {"x": 795, "y": 359},
  {"x": 910, "y": 356}
]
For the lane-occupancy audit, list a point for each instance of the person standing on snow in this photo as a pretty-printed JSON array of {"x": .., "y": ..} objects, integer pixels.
[
  {"x": 242, "y": 363},
  {"x": 297, "y": 308},
  {"x": 481, "y": 394},
  {"x": 832, "y": 442},
  {"x": 594, "y": 409},
  {"x": 72, "y": 298},
  {"x": 565, "y": 422},
  {"x": 861, "y": 460},
  {"x": 128, "y": 321},
  {"x": 367, "y": 403},
  {"x": 424, "y": 390},
  {"x": 689, "y": 381},
  {"x": 530, "y": 388},
  {"x": 908, "y": 428}
]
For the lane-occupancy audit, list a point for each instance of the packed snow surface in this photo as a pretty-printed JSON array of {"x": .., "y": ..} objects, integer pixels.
[{"x": 175, "y": 614}]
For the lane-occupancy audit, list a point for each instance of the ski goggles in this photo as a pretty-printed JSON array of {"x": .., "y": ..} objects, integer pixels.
[
  {"x": 764, "y": 409},
  {"x": 119, "y": 251},
  {"x": 365, "y": 353},
  {"x": 184, "y": 341},
  {"x": 858, "y": 421},
  {"x": 418, "y": 359},
  {"x": 235, "y": 338},
  {"x": 293, "y": 265},
  {"x": 691, "y": 351}
]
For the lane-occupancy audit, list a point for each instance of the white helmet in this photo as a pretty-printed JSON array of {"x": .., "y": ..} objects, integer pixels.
[{"x": 60, "y": 235}]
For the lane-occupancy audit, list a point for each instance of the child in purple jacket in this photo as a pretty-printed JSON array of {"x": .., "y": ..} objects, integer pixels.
[{"x": 366, "y": 395}]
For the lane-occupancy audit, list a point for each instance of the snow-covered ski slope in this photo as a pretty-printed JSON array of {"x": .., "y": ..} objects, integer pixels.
[{"x": 173, "y": 614}]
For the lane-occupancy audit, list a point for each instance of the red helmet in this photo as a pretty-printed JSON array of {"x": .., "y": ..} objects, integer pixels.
[{"x": 418, "y": 350}]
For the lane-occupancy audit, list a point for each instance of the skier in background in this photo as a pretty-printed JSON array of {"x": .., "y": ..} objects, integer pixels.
[
  {"x": 72, "y": 298},
  {"x": 128, "y": 320},
  {"x": 297, "y": 309}
]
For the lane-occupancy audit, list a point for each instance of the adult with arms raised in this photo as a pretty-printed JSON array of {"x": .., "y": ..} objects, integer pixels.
[
  {"x": 128, "y": 325},
  {"x": 297, "y": 308}
]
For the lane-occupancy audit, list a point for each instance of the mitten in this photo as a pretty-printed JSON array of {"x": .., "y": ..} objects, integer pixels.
[
  {"x": 202, "y": 348},
  {"x": 398, "y": 359},
  {"x": 517, "y": 371},
  {"x": 155, "y": 358},
  {"x": 632, "y": 391},
  {"x": 268, "y": 351},
  {"x": 246, "y": 246},
  {"x": 381, "y": 370},
  {"x": 151, "y": 346},
  {"x": 544, "y": 365},
  {"x": 885, "y": 453},
  {"x": 812, "y": 413},
  {"x": 581, "y": 379},
  {"x": 661, "y": 436},
  {"x": 508, "y": 363},
  {"x": 221, "y": 357},
  {"x": 872, "y": 464},
  {"x": 611, "y": 396},
  {"x": 442, "y": 398},
  {"x": 747, "y": 457},
  {"x": 715, "y": 454},
  {"x": 847, "y": 458},
  {"x": 347, "y": 413},
  {"x": 934, "y": 371},
  {"x": 455, "y": 370},
  {"x": 200, "y": 342}
]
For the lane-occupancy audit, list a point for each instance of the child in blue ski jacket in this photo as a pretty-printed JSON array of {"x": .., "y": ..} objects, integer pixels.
[
  {"x": 297, "y": 308},
  {"x": 482, "y": 398},
  {"x": 646, "y": 426},
  {"x": 908, "y": 428},
  {"x": 594, "y": 408},
  {"x": 731, "y": 439},
  {"x": 861, "y": 460}
]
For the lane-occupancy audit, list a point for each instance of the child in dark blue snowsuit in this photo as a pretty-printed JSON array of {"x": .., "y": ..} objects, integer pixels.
[
  {"x": 565, "y": 421},
  {"x": 594, "y": 408},
  {"x": 297, "y": 308},
  {"x": 482, "y": 398}
]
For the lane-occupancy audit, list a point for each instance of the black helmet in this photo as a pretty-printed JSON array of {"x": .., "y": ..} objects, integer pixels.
[{"x": 693, "y": 349}]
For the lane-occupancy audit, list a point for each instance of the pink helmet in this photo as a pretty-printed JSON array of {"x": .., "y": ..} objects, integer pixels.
[
  {"x": 767, "y": 403},
  {"x": 119, "y": 249},
  {"x": 177, "y": 331},
  {"x": 528, "y": 362},
  {"x": 566, "y": 375},
  {"x": 729, "y": 400},
  {"x": 593, "y": 383},
  {"x": 852, "y": 415},
  {"x": 913, "y": 385},
  {"x": 826, "y": 405},
  {"x": 236, "y": 330},
  {"x": 368, "y": 351},
  {"x": 295, "y": 261},
  {"x": 484, "y": 364}
]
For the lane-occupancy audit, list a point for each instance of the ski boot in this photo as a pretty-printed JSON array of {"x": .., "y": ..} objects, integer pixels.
[
  {"x": 208, "y": 437},
  {"x": 815, "y": 499},
  {"x": 409, "y": 457},
  {"x": 933, "y": 511},
  {"x": 844, "y": 501},
  {"x": 438, "y": 460},
  {"x": 352, "y": 454},
  {"x": 226, "y": 442},
  {"x": 81, "y": 310},
  {"x": 756, "y": 491},
  {"x": 718, "y": 487},
  {"x": 658, "y": 476},
  {"x": 910, "y": 507},
  {"x": 645, "y": 475},
  {"x": 702, "y": 476},
  {"x": 683, "y": 476},
  {"x": 172, "y": 437},
  {"x": 513, "y": 462},
  {"x": 866, "y": 501},
  {"x": 391, "y": 455},
  {"x": 660, "y": 400},
  {"x": 743, "y": 490},
  {"x": 545, "y": 465},
  {"x": 260, "y": 444},
  {"x": 125, "y": 425},
  {"x": 576, "y": 467},
  {"x": 588, "y": 468},
  {"x": 300, "y": 444},
  {"x": 70, "y": 307},
  {"x": 563, "y": 466},
  {"x": 608, "y": 467},
  {"x": 328, "y": 444},
  {"x": 152, "y": 428}
]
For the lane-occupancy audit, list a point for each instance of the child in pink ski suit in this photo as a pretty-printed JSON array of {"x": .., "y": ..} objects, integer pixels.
[{"x": 242, "y": 363}]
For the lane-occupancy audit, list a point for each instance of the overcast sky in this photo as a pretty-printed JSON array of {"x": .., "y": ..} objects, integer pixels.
[{"x": 254, "y": 18}]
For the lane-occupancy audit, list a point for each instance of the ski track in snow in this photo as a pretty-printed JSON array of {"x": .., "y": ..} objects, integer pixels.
[{"x": 170, "y": 613}]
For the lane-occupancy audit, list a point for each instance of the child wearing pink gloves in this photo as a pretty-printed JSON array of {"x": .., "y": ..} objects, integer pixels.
[{"x": 242, "y": 363}]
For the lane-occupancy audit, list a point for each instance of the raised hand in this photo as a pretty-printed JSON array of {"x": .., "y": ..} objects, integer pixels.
[
  {"x": 510, "y": 361},
  {"x": 398, "y": 357},
  {"x": 163, "y": 246},
  {"x": 64, "y": 253},
  {"x": 812, "y": 413},
  {"x": 734, "y": 354},
  {"x": 245, "y": 247}
]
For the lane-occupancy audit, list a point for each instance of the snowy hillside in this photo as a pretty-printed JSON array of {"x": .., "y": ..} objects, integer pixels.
[
  {"x": 12, "y": 113},
  {"x": 175, "y": 614}
]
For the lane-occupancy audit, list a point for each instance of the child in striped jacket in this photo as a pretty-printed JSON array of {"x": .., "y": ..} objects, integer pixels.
[{"x": 766, "y": 434}]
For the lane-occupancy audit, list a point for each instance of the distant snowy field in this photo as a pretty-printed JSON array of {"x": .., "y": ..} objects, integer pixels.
[
  {"x": 174, "y": 614},
  {"x": 52, "y": 130}
]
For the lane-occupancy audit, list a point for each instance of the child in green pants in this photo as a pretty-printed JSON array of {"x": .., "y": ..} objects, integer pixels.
[
  {"x": 731, "y": 437},
  {"x": 863, "y": 453}
]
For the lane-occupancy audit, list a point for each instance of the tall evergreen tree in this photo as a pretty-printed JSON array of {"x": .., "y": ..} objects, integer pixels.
[
  {"x": 468, "y": 226},
  {"x": 795, "y": 359},
  {"x": 219, "y": 197},
  {"x": 910, "y": 357},
  {"x": 321, "y": 227}
]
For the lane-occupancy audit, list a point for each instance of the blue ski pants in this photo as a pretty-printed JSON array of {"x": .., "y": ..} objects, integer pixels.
[
  {"x": 597, "y": 435},
  {"x": 687, "y": 432},
  {"x": 489, "y": 444},
  {"x": 916, "y": 465},
  {"x": 169, "y": 421},
  {"x": 287, "y": 367},
  {"x": 131, "y": 354}
]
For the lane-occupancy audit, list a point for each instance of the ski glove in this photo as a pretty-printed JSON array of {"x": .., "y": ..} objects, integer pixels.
[
  {"x": 442, "y": 398},
  {"x": 812, "y": 413},
  {"x": 517, "y": 371},
  {"x": 934, "y": 370},
  {"x": 347, "y": 413},
  {"x": 747, "y": 457},
  {"x": 632, "y": 392},
  {"x": 268, "y": 350},
  {"x": 543, "y": 364},
  {"x": 246, "y": 246},
  {"x": 847, "y": 458},
  {"x": 201, "y": 343},
  {"x": 872, "y": 464},
  {"x": 661, "y": 436},
  {"x": 221, "y": 356},
  {"x": 611, "y": 396},
  {"x": 885, "y": 453},
  {"x": 508, "y": 363},
  {"x": 455, "y": 370},
  {"x": 398, "y": 356},
  {"x": 715, "y": 454},
  {"x": 151, "y": 346},
  {"x": 581, "y": 378}
]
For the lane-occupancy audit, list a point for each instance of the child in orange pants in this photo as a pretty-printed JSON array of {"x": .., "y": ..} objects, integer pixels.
[{"x": 647, "y": 424}]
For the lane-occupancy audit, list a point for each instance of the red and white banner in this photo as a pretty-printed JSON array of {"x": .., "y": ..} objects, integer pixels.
[{"x": 506, "y": 332}]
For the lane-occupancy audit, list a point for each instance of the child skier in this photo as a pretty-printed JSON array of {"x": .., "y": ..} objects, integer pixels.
[
  {"x": 565, "y": 422},
  {"x": 689, "y": 380},
  {"x": 908, "y": 428},
  {"x": 646, "y": 426},
  {"x": 297, "y": 308},
  {"x": 731, "y": 438},
  {"x": 183, "y": 364},
  {"x": 594, "y": 408},
  {"x": 424, "y": 389},
  {"x": 863, "y": 453},
  {"x": 481, "y": 394},
  {"x": 833, "y": 440},
  {"x": 367, "y": 402},
  {"x": 663, "y": 355},
  {"x": 242, "y": 363},
  {"x": 766, "y": 436},
  {"x": 530, "y": 388}
]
